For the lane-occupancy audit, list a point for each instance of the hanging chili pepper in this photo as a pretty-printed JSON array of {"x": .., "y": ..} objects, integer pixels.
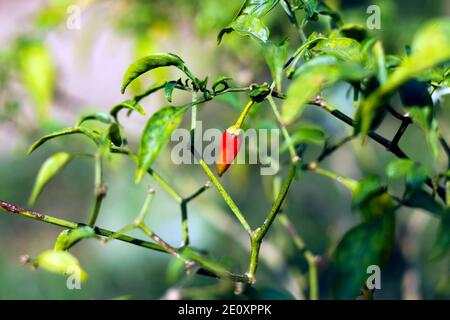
[{"x": 231, "y": 142}]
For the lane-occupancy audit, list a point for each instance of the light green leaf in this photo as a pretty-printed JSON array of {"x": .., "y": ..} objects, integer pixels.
[
  {"x": 48, "y": 170},
  {"x": 431, "y": 46},
  {"x": 156, "y": 135},
  {"x": 425, "y": 119},
  {"x": 38, "y": 73},
  {"x": 98, "y": 116},
  {"x": 258, "y": 8},
  {"x": 276, "y": 56},
  {"x": 68, "y": 238},
  {"x": 313, "y": 135},
  {"x": 61, "y": 262},
  {"x": 131, "y": 105},
  {"x": 93, "y": 135},
  {"x": 151, "y": 62},
  {"x": 345, "y": 49},
  {"x": 367, "y": 244},
  {"x": 247, "y": 25},
  {"x": 414, "y": 173},
  {"x": 312, "y": 76}
]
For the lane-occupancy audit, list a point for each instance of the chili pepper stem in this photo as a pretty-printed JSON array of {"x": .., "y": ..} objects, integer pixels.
[{"x": 243, "y": 115}]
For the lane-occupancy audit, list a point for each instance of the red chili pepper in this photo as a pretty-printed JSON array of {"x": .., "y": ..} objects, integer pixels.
[{"x": 229, "y": 148}]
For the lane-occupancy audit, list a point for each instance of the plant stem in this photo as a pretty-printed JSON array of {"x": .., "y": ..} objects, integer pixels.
[
  {"x": 171, "y": 191},
  {"x": 184, "y": 223},
  {"x": 287, "y": 137},
  {"x": 100, "y": 190},
  {"x": 309, "y": 256},
  {"x": 231, "y": 204},
  {"x": 10, "y": 208},
  {"x": 258, "y": 235},
  {"x": 244, "y": 113},
  {"x": 347, "y": 182}
]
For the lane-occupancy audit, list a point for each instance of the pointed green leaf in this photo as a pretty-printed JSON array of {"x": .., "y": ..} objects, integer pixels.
[
  {"x": 48, "y": 170},
  {"x": 93, "y": 135},
  {"x": 127, "y": 104},
  {"x": 115, "y": 135},
  {"x": 98, "y": 116},
  {"x": 312, "y": 76},
  {"x": 276, "y": 56},
  {"x": 367, "y": 244},
  {"x": 422, "y": 200},
  {"x": 310, "y": 134},
  {"x": 247, "y": 25},
  {"x": 156, "y": 135},
  {"x": 61, "y": 262},
  {"x": 68, "y": 238},
  {"x": 258, "y": 8},
  {"x": 168, "y": 90},
  {"x": 152, "y": 62}
]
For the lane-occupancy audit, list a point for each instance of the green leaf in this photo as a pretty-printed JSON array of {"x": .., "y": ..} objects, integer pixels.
[
  {"x": 131, "y": 105},
  {"x": 312, "y": 76},
  {"x": 371, "y": 199},
  {"x": 48, "y": 170},
  {"x": 168, "y": 90},
  {"x": 367, "y": 244},
  {"x": 354, "y": 31},
  {"x": 311, "y": 134},
  {"x": 258, "y": 8},
  {"x": 422, "y": 200},
  {"x": 276, "y": 56},
  {"x": 61, "y": 262},
  {"x": 98, "y": 116},
  {"x": 345, "y": 49},
  {"x": 431, "y": 46},
  {"x": 247, "y": 25},
  {"x": 156, "y": 135},
  {"x": 68, "y": 238},
  {"x": 415, "y": 174},
  {"x": 441, "y": 245},
  {"x": 220, "y": 84},
  {"x": 115, "y": 135},
  {"x": 93, "y": 135},
  {"x": 425, "y": 119},
  {"x": 38, "y": 73},
  {"x": 314, "y": 8},
  {"x": 152, "y": 62}
]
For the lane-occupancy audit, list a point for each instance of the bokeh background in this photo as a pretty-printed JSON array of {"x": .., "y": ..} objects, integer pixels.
[{"x": 81, "y": 71}]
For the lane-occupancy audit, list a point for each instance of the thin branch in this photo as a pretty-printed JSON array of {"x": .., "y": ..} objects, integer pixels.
[{"x": 100, "y": 190}]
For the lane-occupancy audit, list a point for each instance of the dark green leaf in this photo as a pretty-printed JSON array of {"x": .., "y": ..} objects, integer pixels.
[
  {"x": 98, "y": 116},
  {"x": 127, "y": 104},
  {"x": 354, "y": 31},
  {"x": 276, "y": 57},
  {"x": 168, "y": 90},
  {"x": 93, "y": 135},
  {"x": 441, "y": 246},
  {"x": 115, "y": 135},
  {"x": 422, "y": 200},
  {"x": 156, "y": 135},
  {"x": 221, "y": 83},
  {"x": 367, "y": 244},
  {"x": 48, "y": 170},
  {"x": 152, "y": 62}
]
